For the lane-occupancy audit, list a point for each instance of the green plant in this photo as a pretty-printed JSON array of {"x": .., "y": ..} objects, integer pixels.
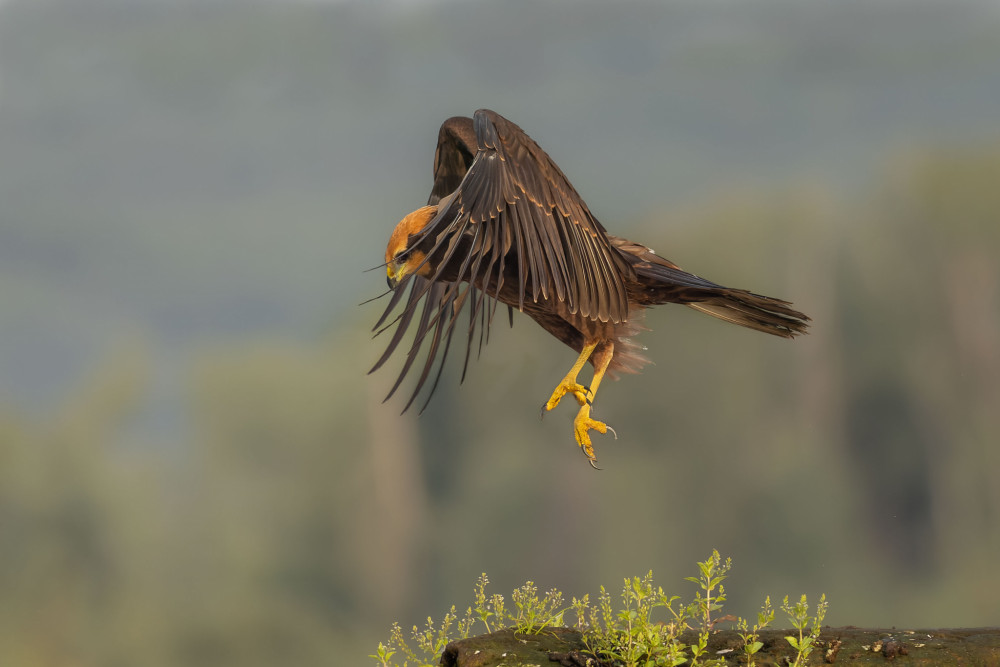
[
  {"x": 489, "y": 608},
  {"x": 534, "y": 614},
  {"x": 751, "y": 642},
  {"x": 383, "y": 655},
  {"x": 713, "y": 571},
  {"x": 630, "y": 635},
  {"x": 798, "y": 614},
  {"x": 581, "y": 607}
]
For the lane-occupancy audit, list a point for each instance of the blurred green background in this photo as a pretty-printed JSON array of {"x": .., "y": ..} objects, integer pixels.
[{"x": 194, "y": 467}]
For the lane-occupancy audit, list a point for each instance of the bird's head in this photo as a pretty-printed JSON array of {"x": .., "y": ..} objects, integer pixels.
[{"x": 401, "y": 260}]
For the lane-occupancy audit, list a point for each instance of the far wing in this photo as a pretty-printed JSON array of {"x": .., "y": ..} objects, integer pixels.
[{"x": 456, "y": 149}]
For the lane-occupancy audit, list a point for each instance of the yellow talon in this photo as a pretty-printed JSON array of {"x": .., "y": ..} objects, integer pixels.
[
  {"x": 584, "y": 396},
  {"x": 584, "y": 423},
  {"x": 580, "y": 393},
  {"x": 570, "y": 385}
]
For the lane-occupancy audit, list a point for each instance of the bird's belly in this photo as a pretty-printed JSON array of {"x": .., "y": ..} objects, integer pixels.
[{"x": 555, "y": 316}]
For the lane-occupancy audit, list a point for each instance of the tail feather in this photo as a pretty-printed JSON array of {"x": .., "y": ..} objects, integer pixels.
[
  {"x": 663, "y": 281},
  {"x": 753, "y": 311}
]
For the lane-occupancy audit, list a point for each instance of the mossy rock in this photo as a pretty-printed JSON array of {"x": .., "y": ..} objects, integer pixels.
[
  {"x": 512, "y": 649},
  {"x": 974, "y": 647}
]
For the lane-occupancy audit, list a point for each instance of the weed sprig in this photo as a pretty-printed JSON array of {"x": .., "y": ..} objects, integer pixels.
[{"x": 808, "y": 626}]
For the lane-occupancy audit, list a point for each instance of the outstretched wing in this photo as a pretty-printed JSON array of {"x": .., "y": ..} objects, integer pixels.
[
  {"x": 514, "y": 216},
  {"x": 456, "y": 149}
]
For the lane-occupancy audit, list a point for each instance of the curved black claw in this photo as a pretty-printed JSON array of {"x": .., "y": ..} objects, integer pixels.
[
  {"x": 613, "y": 432},
  {"x": 593, "y": 463}
]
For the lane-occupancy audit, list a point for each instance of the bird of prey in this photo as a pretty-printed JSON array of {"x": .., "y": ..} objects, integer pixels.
[{"x": 503, "y": 224}]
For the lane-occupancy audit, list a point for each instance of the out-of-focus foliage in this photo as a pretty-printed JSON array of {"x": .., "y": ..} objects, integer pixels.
[
  {"x": 302, "y": 513},
  {"x": 205, "y": 182}
]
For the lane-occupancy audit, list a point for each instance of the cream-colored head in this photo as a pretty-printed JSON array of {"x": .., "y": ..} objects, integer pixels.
[{"x": 398, "y": 262}]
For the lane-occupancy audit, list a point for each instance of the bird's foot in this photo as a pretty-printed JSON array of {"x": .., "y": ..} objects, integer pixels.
[
  {"x": 567, "y": 386},
  {"x": 581, "y": 425}
]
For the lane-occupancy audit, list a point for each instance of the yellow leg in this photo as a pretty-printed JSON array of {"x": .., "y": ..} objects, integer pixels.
[
  {"x": 583, "y": 423},
  {"x": 569, "y": 383}
]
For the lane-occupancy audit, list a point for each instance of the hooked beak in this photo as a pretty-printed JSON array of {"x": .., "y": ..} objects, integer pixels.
[{"x": 391, "y": 276}]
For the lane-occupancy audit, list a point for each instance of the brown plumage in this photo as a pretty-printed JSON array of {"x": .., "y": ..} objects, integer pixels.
[{"x": 504, "y": 225}]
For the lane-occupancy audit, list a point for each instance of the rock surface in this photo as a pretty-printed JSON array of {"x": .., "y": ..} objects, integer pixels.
[{"x": 844, "y": 646}]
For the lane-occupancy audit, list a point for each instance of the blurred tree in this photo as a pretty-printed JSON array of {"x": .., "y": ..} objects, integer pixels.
[
  {"x": 60, "y": 521},
  {"x": 922, "y": 317}
]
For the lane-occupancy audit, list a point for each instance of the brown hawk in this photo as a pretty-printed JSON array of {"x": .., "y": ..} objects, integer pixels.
[{"x": 504, "y": 225}]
